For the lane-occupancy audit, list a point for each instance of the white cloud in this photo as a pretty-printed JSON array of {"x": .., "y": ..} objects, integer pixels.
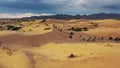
[{"x": 20, "y": 15}]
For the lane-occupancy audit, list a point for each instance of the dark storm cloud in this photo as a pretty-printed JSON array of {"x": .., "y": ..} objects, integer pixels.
[
  {"x": 26, "y": 5},
  {"x": 112, "y": 7},
  {"x": 60, "y": 6}
]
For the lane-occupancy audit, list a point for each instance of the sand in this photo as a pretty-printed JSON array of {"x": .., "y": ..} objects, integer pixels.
[
  {"x": 55, "y": 55},
  {"x": 41, "y": 48}
]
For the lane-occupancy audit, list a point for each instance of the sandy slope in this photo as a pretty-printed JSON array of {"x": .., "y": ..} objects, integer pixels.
[
  {"x": 103, "y": 31},
  {"x": 17, "y": 60},
  {"x": 89, "y": 55},
  {"x": 33, "y": 40},
  {"x": 55, "y": 55}
]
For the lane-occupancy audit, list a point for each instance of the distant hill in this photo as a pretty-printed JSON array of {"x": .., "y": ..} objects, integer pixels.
[{"x": 92, "y": 16}]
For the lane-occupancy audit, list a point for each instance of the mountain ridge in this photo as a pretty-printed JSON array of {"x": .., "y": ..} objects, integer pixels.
[{"x": 67, "y": 16}]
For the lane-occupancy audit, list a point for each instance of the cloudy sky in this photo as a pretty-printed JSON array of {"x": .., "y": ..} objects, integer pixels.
[{"x": 22, "y": 8}]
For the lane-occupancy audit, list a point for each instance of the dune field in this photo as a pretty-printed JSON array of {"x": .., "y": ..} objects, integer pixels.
[{"x": 55, "y": 43}]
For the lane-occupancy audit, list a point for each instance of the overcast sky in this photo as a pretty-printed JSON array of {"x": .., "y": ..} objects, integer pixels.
[{"x": 21, "y": 8}]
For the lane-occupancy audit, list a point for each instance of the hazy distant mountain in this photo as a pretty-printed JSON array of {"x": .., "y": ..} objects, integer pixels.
[{"x": 92, "y": 16}]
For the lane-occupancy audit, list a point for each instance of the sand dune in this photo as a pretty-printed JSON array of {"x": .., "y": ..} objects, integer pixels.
[
  {"x": 88, "y": 55},
  {"x": 26, "y": 40}
]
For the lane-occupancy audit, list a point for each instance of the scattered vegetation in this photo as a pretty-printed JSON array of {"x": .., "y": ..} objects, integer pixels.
[
  {"x": 7, "y": 49},
  {"x": 71, "y": 32}
]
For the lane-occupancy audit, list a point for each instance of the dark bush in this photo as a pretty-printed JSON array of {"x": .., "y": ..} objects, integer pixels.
[
  {"x": 110, "y": 38},
  {"x": 73, "y": 28},
  {"x": 43, "y": 21},
  {"x": 77, "y": 29},
  {"x": 1, "y": 27},
  {"x": 85, "y": 29},
  {"x": 71, "y": 56},
  {"x": 0, "y": 43},
  {"x": 71, "y": 33},
  {"x": 70, "y": 36},
  {"x": 93, "y": 40},
  {"x": 13, "y": 28},
  {"x": 47, "y": 28},
  {"x": 60, "y": 30},
  {"x": 3, "y": 23},
  {"x": 117, "y": 39},
  {"x": 102, "y": 38},
  {"x": 83, "y": 39},
  {"x": 30, "y": 30}
]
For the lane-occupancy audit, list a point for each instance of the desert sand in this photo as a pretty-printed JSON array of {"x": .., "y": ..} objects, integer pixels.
[{"x": 34, "y": 47}]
